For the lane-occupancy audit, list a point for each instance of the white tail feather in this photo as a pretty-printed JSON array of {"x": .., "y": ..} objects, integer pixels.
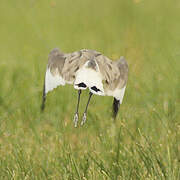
[{"x": 90, "y": 78}]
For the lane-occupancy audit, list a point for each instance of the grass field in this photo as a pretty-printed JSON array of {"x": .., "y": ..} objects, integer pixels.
[{"x": 143, "y": 143}]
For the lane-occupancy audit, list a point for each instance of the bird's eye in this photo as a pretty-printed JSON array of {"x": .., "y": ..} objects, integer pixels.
[
  {"x": 95, "y": 88},
  {"x": 81, "y": 85}
]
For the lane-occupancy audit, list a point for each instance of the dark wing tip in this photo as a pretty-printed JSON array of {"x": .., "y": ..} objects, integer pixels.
[
  {"x": 116, "y": 105},
  {"x": 42, "y": 106},
  {"x": 43, "y": 99}
]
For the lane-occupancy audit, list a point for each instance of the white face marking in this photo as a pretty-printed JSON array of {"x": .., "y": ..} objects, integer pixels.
[
  {"x": 52, "y": 81},
  {"x": 117, "y": 93}
]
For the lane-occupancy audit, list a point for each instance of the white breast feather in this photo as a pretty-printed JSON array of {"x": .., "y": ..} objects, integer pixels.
[{"x": 52, "y": 81}]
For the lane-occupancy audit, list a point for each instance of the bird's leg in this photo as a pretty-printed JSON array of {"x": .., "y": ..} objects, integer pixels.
[
  {"x": 76, "y": 116},
  {"x": 84, "y": 114}
]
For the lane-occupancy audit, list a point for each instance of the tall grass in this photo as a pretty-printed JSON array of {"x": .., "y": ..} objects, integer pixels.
[{"x": 143, "y": 143}]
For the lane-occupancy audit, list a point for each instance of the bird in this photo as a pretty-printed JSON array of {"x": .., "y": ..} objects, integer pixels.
[{"x": 86, "y": 69}]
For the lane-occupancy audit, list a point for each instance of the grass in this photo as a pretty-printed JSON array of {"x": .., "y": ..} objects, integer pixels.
[{"x": 143, "y": 143}]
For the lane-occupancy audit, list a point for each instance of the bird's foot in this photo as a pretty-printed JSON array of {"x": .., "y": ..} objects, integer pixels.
[
  {"x": 83, "y": 119},
  {"x": 76, "y": 117}
]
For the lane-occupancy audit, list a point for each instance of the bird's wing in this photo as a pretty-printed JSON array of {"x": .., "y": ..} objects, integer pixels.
[
  {"x": 53, "y": 76},
  {"x": 115, "y": 75},
  {"x": 108, "y": 71},
  {"x": 119, "y": 84},
  {"x": 74, "y": 61},
  {"x": 61, "y": 69},
  {"x": 123, "y": 72}
]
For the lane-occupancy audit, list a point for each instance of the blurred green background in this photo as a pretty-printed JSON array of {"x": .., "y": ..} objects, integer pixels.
[{"x": 143, "y": 143}]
